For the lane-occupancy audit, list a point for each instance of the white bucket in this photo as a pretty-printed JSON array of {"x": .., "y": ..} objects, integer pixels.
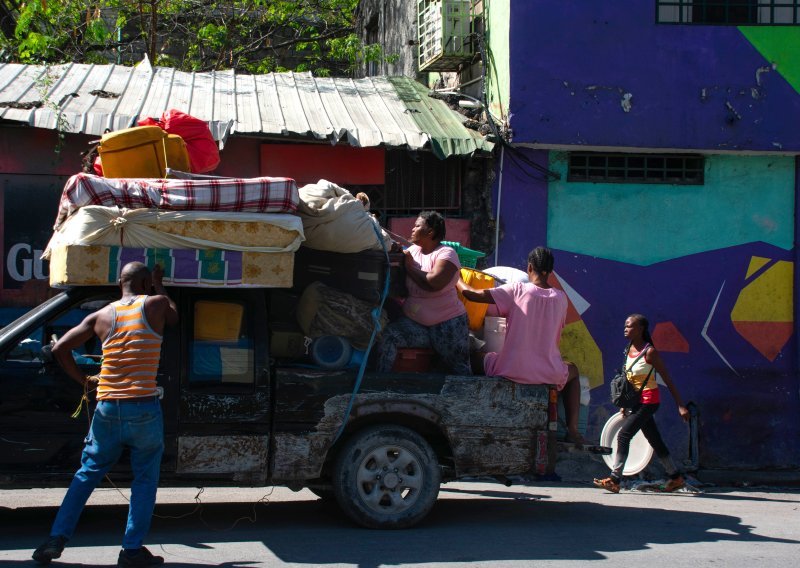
[{"x": 494, "y": 333}]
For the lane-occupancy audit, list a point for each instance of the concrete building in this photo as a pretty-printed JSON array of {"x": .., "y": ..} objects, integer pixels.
[{"x": 654, "y": 146}]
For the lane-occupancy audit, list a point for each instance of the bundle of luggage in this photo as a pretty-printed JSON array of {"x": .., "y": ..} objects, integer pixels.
[
  {"x": 143, "y": 201},
  {"x": 220, "y": 232}
]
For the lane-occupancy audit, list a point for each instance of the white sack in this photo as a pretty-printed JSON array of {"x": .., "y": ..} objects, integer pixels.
[{"x": 334, "y": 220}]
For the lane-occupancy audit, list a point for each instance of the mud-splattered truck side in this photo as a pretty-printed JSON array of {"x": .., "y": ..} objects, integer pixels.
[{"x": 234, "y": 415}]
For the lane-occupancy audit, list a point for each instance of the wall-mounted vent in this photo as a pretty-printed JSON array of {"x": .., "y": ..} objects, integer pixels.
[{"x": 444, "y": 30}]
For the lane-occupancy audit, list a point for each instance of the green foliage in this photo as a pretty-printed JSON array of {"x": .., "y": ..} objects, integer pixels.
[{"x": 255, "y": 36}]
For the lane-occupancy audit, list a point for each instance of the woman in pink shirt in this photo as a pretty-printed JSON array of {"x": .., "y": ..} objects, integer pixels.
[
  {"x": 535, "y": 314},
  {"x": 433, "y": 316}
]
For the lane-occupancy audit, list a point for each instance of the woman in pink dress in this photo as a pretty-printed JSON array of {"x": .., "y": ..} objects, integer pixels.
[
  {"x": 535, "y": 314},
  {"x": 433, "y": 316}
]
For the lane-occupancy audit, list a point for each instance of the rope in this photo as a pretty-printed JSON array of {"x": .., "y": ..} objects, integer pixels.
[
  {"x": 89, "y": 379},
  {"x": 376, "y": 314}
]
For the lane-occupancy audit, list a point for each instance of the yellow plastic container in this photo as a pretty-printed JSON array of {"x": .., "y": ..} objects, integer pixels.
[
  {"x": 217, "y": 321},
  {"x": 475, "y": 311},
  {"x": 142, "y": 152}
]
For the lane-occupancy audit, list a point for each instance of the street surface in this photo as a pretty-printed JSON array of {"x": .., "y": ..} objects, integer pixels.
[{"x": 473, "y": 524}]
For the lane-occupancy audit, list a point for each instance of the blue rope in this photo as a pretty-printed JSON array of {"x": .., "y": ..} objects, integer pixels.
[{"x": 376, "y": 314}]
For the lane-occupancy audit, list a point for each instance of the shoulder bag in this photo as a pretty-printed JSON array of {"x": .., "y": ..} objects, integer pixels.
[{"x": 623, "y": 393}]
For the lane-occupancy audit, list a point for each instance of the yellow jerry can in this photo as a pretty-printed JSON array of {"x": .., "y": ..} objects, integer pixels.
[{"x": 142, "y": 152}]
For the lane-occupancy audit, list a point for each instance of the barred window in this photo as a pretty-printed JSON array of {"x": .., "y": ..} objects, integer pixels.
[
  {"x": 417, "y": 183},
  {"x": 685, "y": 169},
  {"x": 729, "y": 12}
]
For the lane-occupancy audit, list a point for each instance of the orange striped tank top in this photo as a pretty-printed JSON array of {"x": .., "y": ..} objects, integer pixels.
[{"x": 130, "y": 353}]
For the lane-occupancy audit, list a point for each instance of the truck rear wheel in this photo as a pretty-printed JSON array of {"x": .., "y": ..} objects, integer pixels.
[{"x": 386, "y": 477}]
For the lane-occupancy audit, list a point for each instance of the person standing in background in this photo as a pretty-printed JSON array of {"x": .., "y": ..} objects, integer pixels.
[{"x": 641, "y": 360}]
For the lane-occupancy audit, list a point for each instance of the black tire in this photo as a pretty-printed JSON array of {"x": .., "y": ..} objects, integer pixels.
[{"x": 386, "y": 477}]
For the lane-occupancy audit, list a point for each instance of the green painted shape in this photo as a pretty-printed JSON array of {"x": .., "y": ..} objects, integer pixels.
[
  {"x": 497, "y": 14},
  {"x": 745, "y": 199},
  {"x": 779, "y": 45}
]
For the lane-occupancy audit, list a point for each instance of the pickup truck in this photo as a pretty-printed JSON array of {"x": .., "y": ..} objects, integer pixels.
[{"x": 234, "y": 415}]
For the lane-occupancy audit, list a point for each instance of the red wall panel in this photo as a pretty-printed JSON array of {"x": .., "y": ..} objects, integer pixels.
[{"x": 309, "y": 163}]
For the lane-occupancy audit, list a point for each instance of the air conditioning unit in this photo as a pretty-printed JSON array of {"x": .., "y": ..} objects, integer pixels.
[{"x": 443, "y": 34}]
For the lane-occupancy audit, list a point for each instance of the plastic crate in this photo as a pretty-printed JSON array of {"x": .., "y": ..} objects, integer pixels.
[
  {"x": 413, "y": 360},
  {"x": 466, "y": 256}
]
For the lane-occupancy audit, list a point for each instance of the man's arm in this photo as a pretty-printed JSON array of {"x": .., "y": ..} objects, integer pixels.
[
  {"x": 62, "y": 350},
  {"x": 164, "y": 304}
]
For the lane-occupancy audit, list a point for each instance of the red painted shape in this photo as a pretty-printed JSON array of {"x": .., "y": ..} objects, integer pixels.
[
  {"x": 309, "y": 163},
  {"x": 457, "y": 229},
  {"x": 667, "y": 338},
  {"x": 768, "y": 337}
]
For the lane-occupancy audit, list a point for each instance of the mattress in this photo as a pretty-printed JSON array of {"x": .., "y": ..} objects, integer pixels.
[
  {"x": 150, "y": 228},
  {"x": 257, "y": 195},
  {"x": 78, "y": 265}
]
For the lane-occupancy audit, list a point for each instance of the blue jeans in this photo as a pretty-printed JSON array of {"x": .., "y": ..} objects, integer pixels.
[{"x": 115, "y": 426}]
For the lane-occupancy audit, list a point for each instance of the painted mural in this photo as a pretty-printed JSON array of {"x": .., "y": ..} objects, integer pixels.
[{"x": 711, "y": 266}]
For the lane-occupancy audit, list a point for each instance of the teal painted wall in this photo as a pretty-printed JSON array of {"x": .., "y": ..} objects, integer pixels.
[{"x": 744, "y": 199}]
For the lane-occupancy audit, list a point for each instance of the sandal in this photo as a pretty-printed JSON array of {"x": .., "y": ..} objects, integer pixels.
[
  {"x": 609, "y": 484},
  {"x": 675, "y": 484}
]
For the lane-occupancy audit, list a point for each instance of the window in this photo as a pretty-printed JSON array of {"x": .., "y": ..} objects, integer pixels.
[
  {"x": 221, "y": 350},
  {"x": 636, "y": 168},
  {"x": 418, "y": 181},
  {"x": 36, "y": 347},
  {"x": 729, "y": 12}
]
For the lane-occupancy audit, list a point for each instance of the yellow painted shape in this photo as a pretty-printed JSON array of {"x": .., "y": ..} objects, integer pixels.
[
  {"x": 768, "y": 298},
  {"x": 756, "y": 262},
  {"x": 578, "y": 346}
]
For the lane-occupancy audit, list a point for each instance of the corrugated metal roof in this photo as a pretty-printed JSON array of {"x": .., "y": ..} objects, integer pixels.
[{"x": 390, "y": 111}]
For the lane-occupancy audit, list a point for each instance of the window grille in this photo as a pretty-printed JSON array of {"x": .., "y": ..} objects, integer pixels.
[
  {"x": 729, "y": 12},
  {"x": 684, "y": 169},
  {"x": 418, "y": 183}
]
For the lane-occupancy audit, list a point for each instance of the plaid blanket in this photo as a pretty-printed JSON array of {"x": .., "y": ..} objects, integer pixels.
[{"x": 258, "y": 195}]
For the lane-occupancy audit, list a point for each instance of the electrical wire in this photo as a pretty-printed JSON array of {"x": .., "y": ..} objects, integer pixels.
[{"x": 514, "y": 153}]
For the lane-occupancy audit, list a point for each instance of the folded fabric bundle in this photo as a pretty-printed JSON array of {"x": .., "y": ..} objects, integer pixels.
[
  {"x": 152, "y": 228},
  {"x": 257, "y": 195}
]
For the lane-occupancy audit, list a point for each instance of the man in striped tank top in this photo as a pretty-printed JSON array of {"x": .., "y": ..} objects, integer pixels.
[{"x": 128, "y": 413}]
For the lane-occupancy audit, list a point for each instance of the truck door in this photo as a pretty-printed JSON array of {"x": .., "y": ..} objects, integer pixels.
[
  {"x": 224, "y": 410},
  {"x": 37, "y": 399}
]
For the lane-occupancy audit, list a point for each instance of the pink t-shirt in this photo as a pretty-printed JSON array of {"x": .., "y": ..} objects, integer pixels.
[
  {"x": 534, "y": 320},
  {"x": 426, "y": 307}
]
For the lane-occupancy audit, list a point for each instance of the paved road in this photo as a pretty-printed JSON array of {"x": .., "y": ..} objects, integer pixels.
[{"x": 473, "y": 524}]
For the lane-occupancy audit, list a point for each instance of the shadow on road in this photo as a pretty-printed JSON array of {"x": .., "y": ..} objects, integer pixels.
[{"x": 458, "y": 530}]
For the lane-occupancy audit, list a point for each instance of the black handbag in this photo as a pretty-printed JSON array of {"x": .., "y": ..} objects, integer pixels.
[{"x": 623, "y": 393}]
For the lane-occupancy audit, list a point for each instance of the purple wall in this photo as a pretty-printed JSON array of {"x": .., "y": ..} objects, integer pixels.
[
  {"x": 692, "y": 88},
  {"x": 523, "y": 207},
  {"x": 588, "y": 54}
]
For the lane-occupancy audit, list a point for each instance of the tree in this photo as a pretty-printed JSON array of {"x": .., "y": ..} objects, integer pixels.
[{"x": 255, "y": 36}]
